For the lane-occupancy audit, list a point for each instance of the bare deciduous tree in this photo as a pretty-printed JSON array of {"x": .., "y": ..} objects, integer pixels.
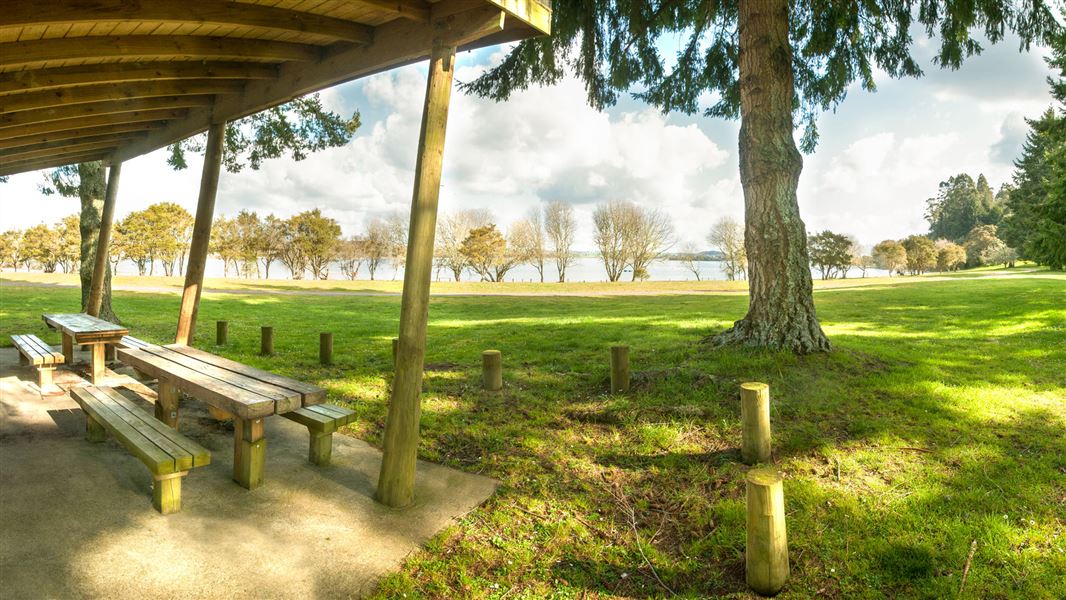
[
  {"x": 451, "y": 231},
  {"x": 727, "y": 237},
  {"x": 526, "y": 241},
  {"x": 650, "y": 236},
  {"x": 377, "y": 244},
  {"x": 613, "y": 220},
  {"x": 351, "y": 254},
  {"x": 690, "y": 259},
  {"x": 559, "y": 226}
]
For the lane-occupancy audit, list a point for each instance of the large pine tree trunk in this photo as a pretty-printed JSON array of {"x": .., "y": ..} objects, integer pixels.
[
  {"x": 91, "y": 189},
  {"x": 781, "y": 310}
]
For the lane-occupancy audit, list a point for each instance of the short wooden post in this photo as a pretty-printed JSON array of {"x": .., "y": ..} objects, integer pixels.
[
  {"x": 166, "y": 492},
  {"x": 266, "y": 343},
  {"x": 97, "y": 366},
  {"x": 755, "y": 422},
  {"x": 166, "y": 404},
  {"x": 766, "y": 553},
  {"x": 321, "y": 449},
  {"x": 94, "y": 431},
  {"x": 619, "y": 369},
  {"x": 68, "y": 349},
  {"x": 221, "y": 333},
  {"x": 325, "y": 348},
  {"x": 492, "y": 370},
  {"x": 44, "y": 377},
  {"x": 249, "y": 452}
]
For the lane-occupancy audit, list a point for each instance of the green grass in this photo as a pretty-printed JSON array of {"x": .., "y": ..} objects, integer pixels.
[{"x": 939, "y": 419}]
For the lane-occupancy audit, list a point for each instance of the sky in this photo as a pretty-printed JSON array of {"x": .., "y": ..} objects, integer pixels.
[{"x": 880, "y": 155}]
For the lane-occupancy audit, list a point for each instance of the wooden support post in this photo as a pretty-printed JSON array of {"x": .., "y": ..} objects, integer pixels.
[
  {"x": 755, "y": 422},
  {"x": 266, "y": 341},
  {"x": 492, "y": 370},
  {"x": 201, "y": 234},
  {"x": 44, "y": 377},
  {"x": 94, "y": 431},
  {"x": 97, "y": 366},
  {"x": 619, "y": 369},
  {"x": 325, "y": 348},
  {"x": 396, "y": 482},
  {"x": 221, "y": 333},
  {"x": 166, "y": 492},
  {"x": 109, "y": 353},
  {"x": 321, "y": 449},
  {"x": 68, "y": 349},
  {"x": 23, "y": 360},
  {"x": 249, "y": 452},
  {"x": 103, "y": 242},
  {"x": 766, "y": 552},
  {"x": 166, "y": 404}
]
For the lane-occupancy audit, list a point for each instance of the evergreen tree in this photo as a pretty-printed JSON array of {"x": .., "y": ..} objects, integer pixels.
[
  {"x": 767, "y": 62},
  {"x": 956, "y": 209}
]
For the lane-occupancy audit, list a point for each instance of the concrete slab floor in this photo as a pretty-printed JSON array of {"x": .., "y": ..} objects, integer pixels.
[{"x": 76, "y": 519}]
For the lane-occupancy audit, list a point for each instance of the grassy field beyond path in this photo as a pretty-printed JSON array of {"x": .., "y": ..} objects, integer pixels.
[{"x": 938, "y": 420}]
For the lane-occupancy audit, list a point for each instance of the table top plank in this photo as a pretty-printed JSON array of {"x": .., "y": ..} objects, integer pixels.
[
  {"x": 85, "y": 329},
  {"x": 220, "y": 394},
  {"x": 311, "y": 394},
  {"x": 284, "y": 399}
]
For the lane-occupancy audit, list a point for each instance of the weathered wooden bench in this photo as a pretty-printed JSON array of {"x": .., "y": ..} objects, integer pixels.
[
  {"x": 33, "y": 351},
  {"x": 321, "y": 421},
  {"x": 128, "y": 341},
  {"x": 167, "y": 454}
]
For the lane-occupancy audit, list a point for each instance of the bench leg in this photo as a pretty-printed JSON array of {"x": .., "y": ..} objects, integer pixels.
[
  {"x": 97, "y": 368},
  {"x": 249, "y": 452},
  {"x": 109, "y": 353},
  {"x": 94, "y": 431},
  {"x": 68, "y": 349},
  {"x": 44, "y": 377},
  {"x": 22, "y": 359},
  {"x": 321, "y": 449},
  {"x": 166, "y": 404},
  {"x": 166, "y": 492}
]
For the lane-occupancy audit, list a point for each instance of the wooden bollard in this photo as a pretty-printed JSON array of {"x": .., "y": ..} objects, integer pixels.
[
  {"x": 492, "y": 370},
  {"x": 325, "y": 348},
  {"x": 619, "y": 369},
  {"x": 755, "y": 421},
  {"x": 266, "y": 344},
  {"x": 766, "y": 553},
  {"x": 221, "y": 333}
]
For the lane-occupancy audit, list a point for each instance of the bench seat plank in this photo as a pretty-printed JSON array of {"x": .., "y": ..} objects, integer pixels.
[
  {"x": 153, "y": 457},
  {"x": 186, "y": 454},
  {"x": 132, "y": 342},
  {"x": 36, "y": 351},
  {"x": 234, "y": 400},
  {"x": 321, "y": 418},
  {"x": 310, "y": 394}
]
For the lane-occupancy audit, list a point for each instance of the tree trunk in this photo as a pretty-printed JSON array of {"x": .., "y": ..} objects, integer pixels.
[
  {"x": 91, "y": 192},
  {"x": 781, "y": 307}
]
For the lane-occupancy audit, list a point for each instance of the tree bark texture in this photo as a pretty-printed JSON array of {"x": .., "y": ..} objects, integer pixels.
[
  {"x": 91, "y": 191},
  {"x": 781, "y": 311}
]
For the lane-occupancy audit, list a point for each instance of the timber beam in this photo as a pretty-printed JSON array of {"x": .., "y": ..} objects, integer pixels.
[
  {"x": 34, "y": 13},
  {"x": 84, "y": 133},
  {"x": 97, "y": 109},
  {"x": 111, "y": 93},
  {"x": 165, "y": 47},
  {"x": 18, "y": 82},
  {"x": 46, "y": 150},
  {"x": 53, "y": 160}
]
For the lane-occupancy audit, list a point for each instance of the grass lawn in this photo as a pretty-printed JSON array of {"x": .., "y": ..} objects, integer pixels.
[{"x": 939, "y": 419}]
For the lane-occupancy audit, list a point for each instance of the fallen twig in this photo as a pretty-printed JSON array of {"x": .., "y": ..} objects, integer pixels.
[
  {"x": 631, "y": 517},
  {"x": 926, "y": 450},
  {"x": 966, "y": 569}
]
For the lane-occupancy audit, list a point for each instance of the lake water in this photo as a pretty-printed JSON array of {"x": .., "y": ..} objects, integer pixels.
[{"x": 588, "y": 269}]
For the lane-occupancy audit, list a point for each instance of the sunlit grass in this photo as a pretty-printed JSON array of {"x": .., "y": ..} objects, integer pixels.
[{"x": 938, "y": 420}]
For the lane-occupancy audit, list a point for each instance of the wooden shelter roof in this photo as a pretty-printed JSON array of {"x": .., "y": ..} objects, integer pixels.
[{"x": 109, "y": 80}]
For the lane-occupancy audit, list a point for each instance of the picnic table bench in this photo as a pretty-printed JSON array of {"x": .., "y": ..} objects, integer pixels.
[
  {"x": 167, "y": 454},
  {"x": 83, "y": 329},
  {"x": 236, "y": 390},
  {"x": 33, "y": 351}
]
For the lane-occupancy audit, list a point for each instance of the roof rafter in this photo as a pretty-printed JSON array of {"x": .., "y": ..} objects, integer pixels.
[
  {"x": 83, "y": 133},
  {"x": 107, "y": 92},
  {"x": 16, "y": 82},
  {"x": 46, "y": 150},
  {"x": 29, "y": 13},
  {"x": 53, "y": 160},
  {"x": 44, "y": 115},
  {"x": 168, "y": 47}
]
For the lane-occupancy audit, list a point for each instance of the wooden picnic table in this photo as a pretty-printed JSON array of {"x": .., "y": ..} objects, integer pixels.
[
  {"x": 83, "y": 329},
  {"x": 229, "y": 388}
]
